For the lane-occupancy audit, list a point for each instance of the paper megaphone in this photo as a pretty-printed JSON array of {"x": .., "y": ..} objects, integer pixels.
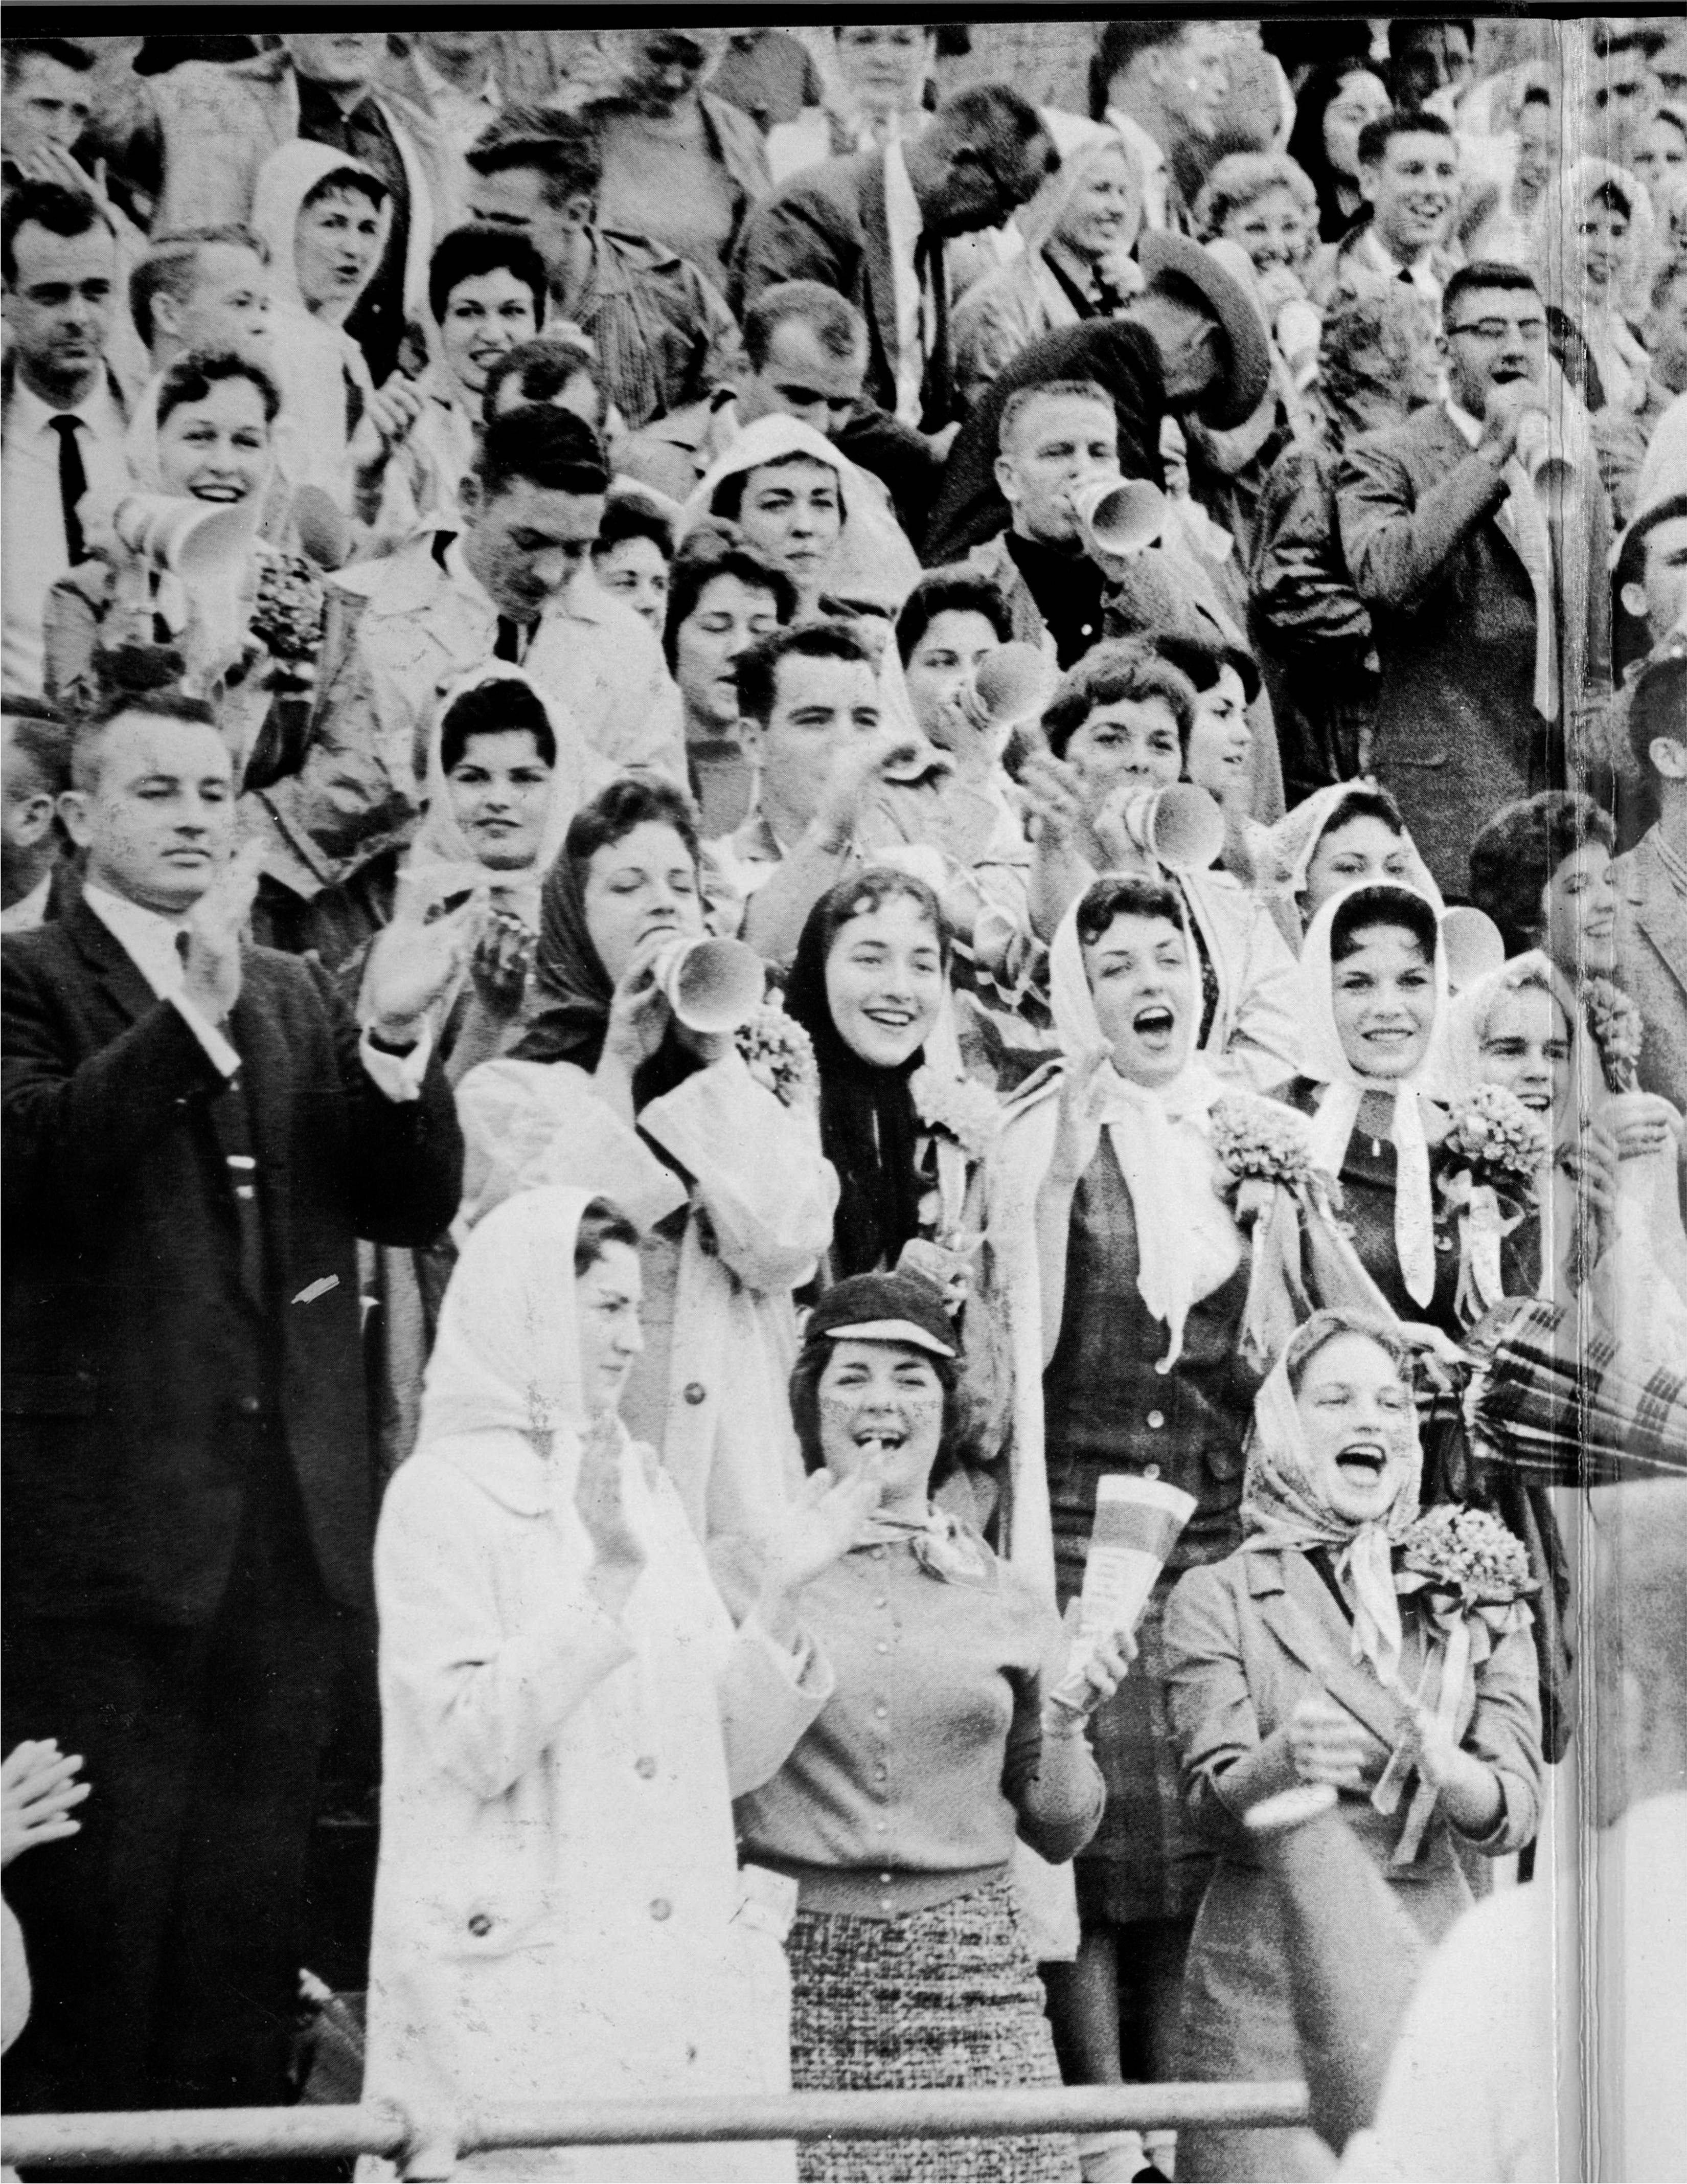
[
  {"x": 1011, "y": 685},
  {"x": 1472, "y": 943},
  {"x": 1120, "y": 515},
  {"x": 1181, "y": 828},
  {"x": 710, "y": 985},
  {"x": 199, "y": 541}
]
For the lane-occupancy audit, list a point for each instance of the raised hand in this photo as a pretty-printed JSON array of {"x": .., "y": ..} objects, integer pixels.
[
  {"x": 414, "y": 964},
  {"x": 214, "y": 928},
  {"x": 947, "y": 1266},
  {"x": 1076, "y": 1131},
  {"x": 1642, "y": 1123},
  {"x": 1085, "y": 1670},
  {"x": 618, "y": 1554},
  {"x": 814, "y": 1530},
  {"x": 502, "y": 957},
  {"x": 1056, "y": 801},
  {"x": 857, "y": 767},
  {"x": 639, "y": 1014},
  {"x": 37, "y": 1792},
  {"x": 1508, "y": 405}
]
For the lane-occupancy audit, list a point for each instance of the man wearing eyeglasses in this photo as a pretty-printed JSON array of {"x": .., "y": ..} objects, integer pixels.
[
  {"x": 1477, "y": 534},
  {"x": 873, "y": 227}
]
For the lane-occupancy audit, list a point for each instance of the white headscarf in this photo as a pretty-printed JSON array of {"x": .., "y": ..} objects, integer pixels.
[
  {"x": 284, "y": 180},
  {"x": 506, "y": 1361},
  {"x": 1292, "y": 842},
  {"x": 872, "y": 559},
  {"x": 441, "y": 859},
  {"x": 1188, "y": 1244},
  {"x": 1282, "y": 1507},
  {"x": 1325, "y": 1061},
  {"x": 1040, "y": 221}
]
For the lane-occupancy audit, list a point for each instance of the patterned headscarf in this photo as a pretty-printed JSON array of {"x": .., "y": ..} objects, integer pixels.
[{"x": 1283, "y": 1506}]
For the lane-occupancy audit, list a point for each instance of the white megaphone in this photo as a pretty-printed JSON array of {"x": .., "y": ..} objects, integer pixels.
[
  {"x": 1472, "y": 944},
  {"x": 201, "y": 542},
  {"x": 1120, "y": 516},
  {"x": 1181, "y": 826},
  {"x": 710, "y": 985},
  {"x": 1009, "y": 686}
]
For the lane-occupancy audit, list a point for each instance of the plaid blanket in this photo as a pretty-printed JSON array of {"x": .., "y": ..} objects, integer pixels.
[{"x": 1565, "y": 1404}]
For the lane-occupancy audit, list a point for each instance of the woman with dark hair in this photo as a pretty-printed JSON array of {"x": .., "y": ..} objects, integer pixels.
[
  {"x": 721, "y": 599},
  {"x": 611, "y": 1091},
  {"x": 633, "y": 553},
  {"x": 1332, "y": 107},
  {"x": 1121, "y": 1274},
  {"x": 1373, "y": 999},
  {"x": 1378, "y": 360},
  {"x": 1344, "y": 835},
  {"x": 1541, "y": 869},
  {"x": 940, "y": 1751},
  {"x": 1118, "y": 728},
  {"x": 204, "y": 435},
  {"x": 567, "y": 1712},
  {"x": 1287, "y": 1663},
  {"x": 868, "y": 986}
]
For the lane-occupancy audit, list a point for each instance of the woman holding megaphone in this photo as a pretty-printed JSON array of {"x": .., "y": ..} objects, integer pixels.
[
  {"x": 177, "y": 561},
  {"x": 652, "y": 1072},
  {"x": 1107, "y": 796}
]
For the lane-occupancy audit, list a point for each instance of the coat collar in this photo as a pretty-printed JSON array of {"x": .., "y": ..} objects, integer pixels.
[
  {"x": 1295, "y": 1606},
  {"x": 111, "y": 962}
]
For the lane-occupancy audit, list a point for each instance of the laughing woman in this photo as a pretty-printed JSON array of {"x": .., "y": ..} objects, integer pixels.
[
  {"x": 1122, "y": 1277},
  {"x": 608, "y": 1090},
  {"x": 939, "y": 1748},
  {"x": 1286, "y": 1662}
]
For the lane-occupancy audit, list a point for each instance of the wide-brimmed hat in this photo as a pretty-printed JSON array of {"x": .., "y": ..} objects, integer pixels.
[{"x": 1222, "y": 274}]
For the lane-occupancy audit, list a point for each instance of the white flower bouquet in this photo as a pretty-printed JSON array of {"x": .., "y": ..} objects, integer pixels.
[{"x": 779, "y": 1054}]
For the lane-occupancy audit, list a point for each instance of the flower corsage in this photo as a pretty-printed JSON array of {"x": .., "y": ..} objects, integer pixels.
[
  {"x": 779, "y": 1054},
  {"x": 1470, "y": 1576},
  {"x": 963, "y": 1120},
  {"x": 1263, "y": 1150},
  {"x": 288, "y": 619},
  {"x": 1497, "y": 1147},
  {"x": 1618, "y": 1029}
]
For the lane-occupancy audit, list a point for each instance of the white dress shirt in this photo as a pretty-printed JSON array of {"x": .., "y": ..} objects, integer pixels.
[
  {"x": 148, "y": 940},
  {"x": 1420, "y": 273},
  {"x": 461, "y": 115},
  {"x": 905, "y": 223},
  {"x": 33, "y": 519},
  {"x": 1156, "y": 180},
  {"x": 30, "y": 910},
  {"x": 457, "y": 568}
]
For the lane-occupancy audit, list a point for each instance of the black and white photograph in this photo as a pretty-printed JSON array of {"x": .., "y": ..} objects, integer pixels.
[{"x": 844, "y": 875}]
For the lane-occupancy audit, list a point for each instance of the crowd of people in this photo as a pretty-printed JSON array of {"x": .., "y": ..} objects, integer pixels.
[{"x": 770, "y": 796}]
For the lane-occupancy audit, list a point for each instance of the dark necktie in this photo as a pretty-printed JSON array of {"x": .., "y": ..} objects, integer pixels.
[
  {"x": 73, "y": 483},
  {"x": 507, "y": 642}
]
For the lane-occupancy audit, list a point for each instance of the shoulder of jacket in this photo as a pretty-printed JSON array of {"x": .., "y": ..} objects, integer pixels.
[{"x": 641, "y": 253}]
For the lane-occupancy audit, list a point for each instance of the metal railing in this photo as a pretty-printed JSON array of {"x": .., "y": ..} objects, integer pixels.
[{"x": 431, "y": 2147}]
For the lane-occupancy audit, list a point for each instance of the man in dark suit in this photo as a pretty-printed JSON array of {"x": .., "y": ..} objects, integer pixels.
[
  {"x": 196, "y": 1136},
  {"x": 873, "y": 227},
  {"x": 1485, "y": 583}
]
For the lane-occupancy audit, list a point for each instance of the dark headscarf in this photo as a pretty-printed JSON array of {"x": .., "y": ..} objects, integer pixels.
[
  {"x": 1306, "y": 141},
  {"x": 574, "y": 990},
  {"x": 868, "y": 1122}
]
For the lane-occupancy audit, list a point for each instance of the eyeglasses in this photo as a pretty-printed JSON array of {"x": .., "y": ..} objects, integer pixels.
[{"x": 1495, "y": 329}]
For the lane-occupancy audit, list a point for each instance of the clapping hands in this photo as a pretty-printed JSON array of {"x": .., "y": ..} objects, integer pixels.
[{"x": 414, "y": 963}]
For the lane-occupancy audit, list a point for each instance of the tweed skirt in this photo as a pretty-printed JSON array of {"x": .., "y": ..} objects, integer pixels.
[{"x": 944, "y": 1997}]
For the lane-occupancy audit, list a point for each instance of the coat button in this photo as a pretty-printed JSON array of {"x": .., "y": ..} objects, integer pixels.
[
  {"x": 1150, "y": 1471},
  {"x": 880, "y": 1602},
  {"x": 249, "y": 1405},
  {"x": 1156, "y": 1419},
  {"x": 881, "y": 1647},
  {"x": 480, "y": 1925},
  {"x": 879, "y": 1712},
  {"x": 645, "y": 1768},
  {"x": 694, "y": 1391},
  {"x": 661, "y": 1908}
]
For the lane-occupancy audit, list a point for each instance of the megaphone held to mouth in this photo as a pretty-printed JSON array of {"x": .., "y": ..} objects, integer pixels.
[
  {"x": 1120, "y": 516},
  {"x": 1181, "y": 826},
  {"x": 710, "y": 985},
  {"x": 1009, "y": 686}
]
